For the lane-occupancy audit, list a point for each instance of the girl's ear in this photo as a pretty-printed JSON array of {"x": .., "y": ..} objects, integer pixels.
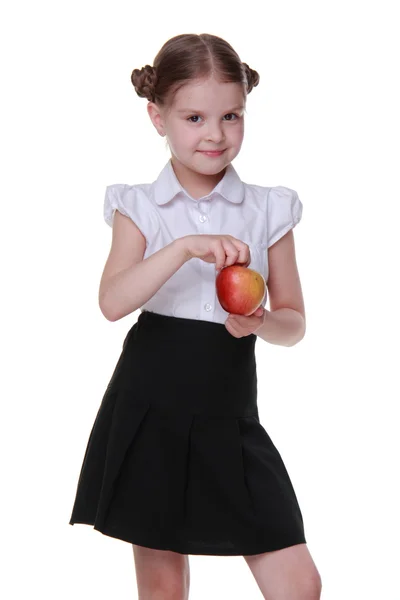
[{"x": 156, "y": 117}]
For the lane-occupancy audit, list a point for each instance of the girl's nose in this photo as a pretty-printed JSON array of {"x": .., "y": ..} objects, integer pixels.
[{"x": 215, "y": 133}]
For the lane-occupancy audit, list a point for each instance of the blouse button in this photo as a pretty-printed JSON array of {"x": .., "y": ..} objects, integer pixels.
[
  {"x": 203, "y": 218},
  {"x": 207, "y": 306}
]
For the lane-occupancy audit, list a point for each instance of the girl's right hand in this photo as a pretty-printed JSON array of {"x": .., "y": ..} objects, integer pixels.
[{"x": 224, "y": 250}]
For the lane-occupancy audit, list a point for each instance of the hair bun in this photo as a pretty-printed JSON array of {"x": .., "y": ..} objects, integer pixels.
[
  {"x": 144, "y": 82},
  {"x": 252, "y": 76}
]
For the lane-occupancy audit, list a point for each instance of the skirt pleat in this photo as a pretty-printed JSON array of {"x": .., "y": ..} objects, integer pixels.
[{"x": 177, "y": 458}]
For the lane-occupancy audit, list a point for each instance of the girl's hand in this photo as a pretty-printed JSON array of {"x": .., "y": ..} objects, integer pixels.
[
  {"x": 223, "y": 250},
  {"x": 239, "y": 325}
]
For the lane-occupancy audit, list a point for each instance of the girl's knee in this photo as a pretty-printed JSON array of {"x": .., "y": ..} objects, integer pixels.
[
  {"x": 165, "y": 590},
  {"x": 311, "y": 586},
  {"x": 168, "y": 583},
  {"x": 306, "y": 585},
  {"x": 290, "y": 573},
  {"x": 161, "y": 575}
]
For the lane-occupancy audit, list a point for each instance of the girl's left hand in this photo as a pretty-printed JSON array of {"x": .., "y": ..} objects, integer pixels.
[{"x": 240, "y": 326}]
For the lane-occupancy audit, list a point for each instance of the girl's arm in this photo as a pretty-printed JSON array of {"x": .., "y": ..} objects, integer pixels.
[
  {"x": 285, "y": 324},
  {"x": 128, "y": 281}
]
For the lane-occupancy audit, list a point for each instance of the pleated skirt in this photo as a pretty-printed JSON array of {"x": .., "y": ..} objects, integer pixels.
[{"x": 177, "y": 458}]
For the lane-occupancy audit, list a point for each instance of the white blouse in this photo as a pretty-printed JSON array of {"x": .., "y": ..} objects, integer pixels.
[{"x": 164, "y": 211}]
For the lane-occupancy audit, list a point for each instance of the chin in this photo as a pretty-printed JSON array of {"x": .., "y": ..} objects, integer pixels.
[{"x": 211, "y": 170}]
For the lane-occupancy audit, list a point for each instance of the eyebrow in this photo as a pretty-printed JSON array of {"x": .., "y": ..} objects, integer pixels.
[{"x": 192, "y": 110}]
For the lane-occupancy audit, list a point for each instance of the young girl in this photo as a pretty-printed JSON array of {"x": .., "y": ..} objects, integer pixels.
[{"x": 177, "y": 461}]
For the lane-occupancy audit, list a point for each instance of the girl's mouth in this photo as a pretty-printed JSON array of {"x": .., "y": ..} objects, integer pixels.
[{"x": 212, "y": 152}]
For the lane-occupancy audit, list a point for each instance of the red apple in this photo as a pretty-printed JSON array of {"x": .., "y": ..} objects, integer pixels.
[{"x": 240, "y": 290}]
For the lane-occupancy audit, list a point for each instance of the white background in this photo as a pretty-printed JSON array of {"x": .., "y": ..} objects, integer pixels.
[{"x": 324, "y": 120}]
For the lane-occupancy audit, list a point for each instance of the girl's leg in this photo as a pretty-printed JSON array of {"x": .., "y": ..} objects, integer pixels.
[
  {"x": 287, "y": 574},
  {"x": 161, "y": 574}
]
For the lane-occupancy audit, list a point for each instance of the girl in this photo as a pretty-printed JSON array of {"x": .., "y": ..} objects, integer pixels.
[{"x": 177, "y": 461}]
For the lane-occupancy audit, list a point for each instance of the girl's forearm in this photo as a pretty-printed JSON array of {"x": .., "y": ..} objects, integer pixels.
[
  {"x": 129, "y": 289},
  {"x": 283, "y": 327}
]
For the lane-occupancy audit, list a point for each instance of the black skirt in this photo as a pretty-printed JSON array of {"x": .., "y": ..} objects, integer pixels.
[{"x": 177, "y": 458}]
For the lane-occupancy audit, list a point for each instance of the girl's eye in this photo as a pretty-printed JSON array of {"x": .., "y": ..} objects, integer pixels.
[
  {"x": 235, "y": 115},
  {"x": 198, "y": 116}
]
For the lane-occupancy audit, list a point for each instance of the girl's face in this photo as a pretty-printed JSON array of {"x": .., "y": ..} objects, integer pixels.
[{"x": 205, "y": 115}]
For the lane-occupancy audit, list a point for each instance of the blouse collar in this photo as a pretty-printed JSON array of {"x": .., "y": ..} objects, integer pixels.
[{"x": 167, "y": 186}]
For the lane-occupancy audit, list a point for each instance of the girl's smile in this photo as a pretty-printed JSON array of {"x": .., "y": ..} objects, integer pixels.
[{"x": 211, "y": 152}]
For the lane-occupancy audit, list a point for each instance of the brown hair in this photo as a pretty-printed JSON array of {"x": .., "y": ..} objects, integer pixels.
[{"x": 191, "y": 56}]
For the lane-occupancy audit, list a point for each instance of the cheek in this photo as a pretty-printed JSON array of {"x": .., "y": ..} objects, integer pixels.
[
  {"x": 189, "y": 137},
  {"x": 184, "y": 136},
  {"x": 175, "y": 137},
  {"x": 238, "y": 132}
]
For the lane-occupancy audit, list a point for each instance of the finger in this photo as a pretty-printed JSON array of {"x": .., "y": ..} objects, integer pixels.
[
  {"x": 231, "y": 252},
  {"x": 238, "y": 320},
  {"x": 258, "y": 312},
  {"x": 229, "y": 324},
  {"x": 245, "y": 256},
  {"x": 219, "y": 253},
  {"x": 243, "y": 253}
]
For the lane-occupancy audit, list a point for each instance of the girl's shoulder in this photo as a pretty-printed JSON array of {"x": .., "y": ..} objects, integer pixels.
[
  {"x": 282, "y": 207},
  {"x": 134, "y": 202},
  {"x": 284, "y": 211},
  {"x": 124, "y": 197},
  {"x": 272, "y": 193}
]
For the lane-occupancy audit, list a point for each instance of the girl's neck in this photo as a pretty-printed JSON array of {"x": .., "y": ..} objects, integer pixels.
[{"x": 196, "y": 184}]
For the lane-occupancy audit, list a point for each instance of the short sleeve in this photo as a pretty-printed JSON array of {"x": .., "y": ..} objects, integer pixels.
[
  {"x": 132, "y": 203},
  {"x": 284, "y": 211}
]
